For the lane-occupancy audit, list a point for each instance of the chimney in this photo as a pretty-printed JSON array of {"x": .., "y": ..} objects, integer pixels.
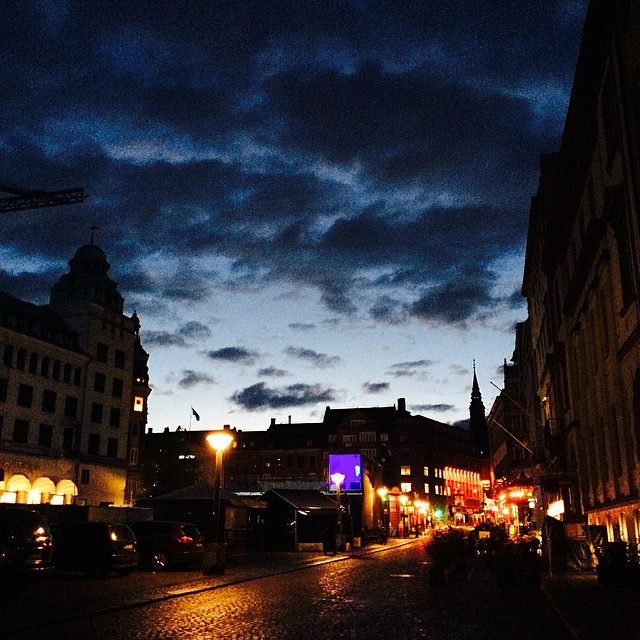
[
  {"x": 273, "y": 422},
  {"x": 402, "y": 405},
  {"x": 289, "y": 419}
]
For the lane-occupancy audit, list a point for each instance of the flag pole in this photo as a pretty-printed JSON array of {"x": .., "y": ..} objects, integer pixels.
[{"x": 190, "y": 414}]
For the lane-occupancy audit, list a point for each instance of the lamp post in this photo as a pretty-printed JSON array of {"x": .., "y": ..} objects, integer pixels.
[
  {"x": 403, "y": 502},
  {"x": 337, "y": 479},
  {"x": 383, "y": 493},
  {"x": 220, "y": 441}
]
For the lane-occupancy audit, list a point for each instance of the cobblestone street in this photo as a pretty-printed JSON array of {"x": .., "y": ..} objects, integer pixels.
[{"x": 379, "y": 595}]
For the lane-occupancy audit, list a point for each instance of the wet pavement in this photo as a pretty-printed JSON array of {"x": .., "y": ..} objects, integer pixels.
[{"x": 568, "y": 605}]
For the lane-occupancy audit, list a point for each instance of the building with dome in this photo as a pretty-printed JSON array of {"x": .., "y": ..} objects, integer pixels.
[{"x": 73, "y": 392}]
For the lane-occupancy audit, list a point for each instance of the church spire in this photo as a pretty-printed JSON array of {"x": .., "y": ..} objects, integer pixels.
[{"x": 477, "y": 420}]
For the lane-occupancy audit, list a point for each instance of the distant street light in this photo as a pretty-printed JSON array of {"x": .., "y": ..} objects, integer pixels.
[
  {"x": 220, "y": 441},
  {"x": 337, "y": 479},
  {"x": 383, "y": 493}
]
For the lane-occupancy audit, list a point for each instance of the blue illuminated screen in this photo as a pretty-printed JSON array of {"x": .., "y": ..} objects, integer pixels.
[{"x": 350, "y": 465}]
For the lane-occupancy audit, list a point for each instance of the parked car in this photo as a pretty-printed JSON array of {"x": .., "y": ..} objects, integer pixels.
[
  {"x": 163, "y": 544},
  {"x": 95, "y": 548},
  {"x": 26, "y": 545}
]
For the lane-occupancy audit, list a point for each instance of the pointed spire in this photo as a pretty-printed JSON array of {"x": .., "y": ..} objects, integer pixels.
[
  {"x": 475, "y": 387},
  {"x": 477, "y": 423}
]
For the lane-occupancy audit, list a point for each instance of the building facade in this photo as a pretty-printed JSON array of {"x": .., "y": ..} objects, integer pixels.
[
  {"x": 73, "y": 392},
  {"x": 426, "y": 471},
  {"x": 582, "y": 284}
]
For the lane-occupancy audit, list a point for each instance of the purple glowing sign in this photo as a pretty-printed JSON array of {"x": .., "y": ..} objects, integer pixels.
[{"x": 349, "y": 465}]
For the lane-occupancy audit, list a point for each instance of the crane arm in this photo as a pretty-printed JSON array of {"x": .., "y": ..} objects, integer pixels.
[{"x": 33, "y": 199}]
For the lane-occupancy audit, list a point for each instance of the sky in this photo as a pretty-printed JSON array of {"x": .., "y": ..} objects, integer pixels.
[{"x": 308, "y": 203}]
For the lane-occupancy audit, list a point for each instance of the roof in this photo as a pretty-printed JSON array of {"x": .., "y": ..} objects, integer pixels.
[
  {"x": 305, "y": 499},
  {"x": 206, "y": 491}
]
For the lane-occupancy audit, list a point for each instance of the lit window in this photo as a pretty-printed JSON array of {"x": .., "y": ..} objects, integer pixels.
[
  {"x": 138, "y": 403},
  {"x": 405, "y": 470},
  {"x": 425, "y": 471},
  {"x": 405, "y": 487}
]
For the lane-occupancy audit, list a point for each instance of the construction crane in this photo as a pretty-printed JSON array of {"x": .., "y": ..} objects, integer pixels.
[{"x": 35, "y": 199}]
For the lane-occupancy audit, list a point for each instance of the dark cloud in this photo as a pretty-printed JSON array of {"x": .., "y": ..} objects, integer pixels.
[
  {"x": 301, "y": 326},
  {"x": 432, "y": 408},
  {"x": 375, "y": 387},
  {"x": 195, "y": 330},
  {"x": 259, "y": 396},
  {"x": 321, "y": 360},
  {"x": 163, "y": 339},
  {"x": 458, "y": 300},
  {"x": 190, "y": 379},
  {"x": 410, "y": 368},
  {"x": 272, "y": 372},
  {"x": 234, "y": 354}
]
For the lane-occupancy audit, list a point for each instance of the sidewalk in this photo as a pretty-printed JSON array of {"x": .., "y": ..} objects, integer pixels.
[{"x": 591, "y": 610}]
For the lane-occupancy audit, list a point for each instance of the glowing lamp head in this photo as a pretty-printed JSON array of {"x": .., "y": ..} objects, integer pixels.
[
  {"x": 337, "y": 478},
  {"x": 220, "y": 440}
]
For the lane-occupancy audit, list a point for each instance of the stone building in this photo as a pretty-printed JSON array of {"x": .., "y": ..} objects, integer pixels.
[
  {"x": 582, "y": 284},
  {"x": 73, "y": 392}
]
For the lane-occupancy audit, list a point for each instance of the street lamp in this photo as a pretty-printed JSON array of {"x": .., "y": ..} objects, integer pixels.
[
  {"x": 383, "y": 493},
  {"x": 338, "y": 478},
  {"x": 220, "y": 441}
]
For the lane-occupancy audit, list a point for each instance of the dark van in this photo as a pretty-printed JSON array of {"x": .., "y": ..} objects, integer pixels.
[
  {"x": 95, "y": 548},
  {"x": 26, "y": 546}
]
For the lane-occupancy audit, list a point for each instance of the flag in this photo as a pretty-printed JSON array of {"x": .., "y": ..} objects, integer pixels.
[{"x": 195, "y": 414}]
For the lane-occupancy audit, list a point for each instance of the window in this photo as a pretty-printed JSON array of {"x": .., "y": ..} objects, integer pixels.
[
  {"x": 349, "y": 438},
  {"x": 370, "y": 453},
  {"x": 116, "y": 388},
  {"x": 426, "y": 487},
  {"x": 4, "y": 385},
  {"x": 99, "y": 382},
  {"x": 49, "y": 401},
  {"x": 21, "y": 359},
  {"x": 112, "y": 447},
  {"x": 77, "y": 376},
  {"x": 8, "y": 355},
  {"x": 45, "y": 435},
  {"x": 114, "y": 417},
  {"x": 405, "y": 470},
  {"x": 67, "y": 439},
  {"x": 21, "y": 431},
  {"x": 384, "y": 437},
  {"x": 71, "y": 406},
  {"x": 96, "y": 412},
  {"x": 94, "y": 444},
  {"x": 55, "y": 373},
  {"x": 44, "y": 367},
  {"x": 33, "y": 363},
  {"x": 66, "y": 374},
  {"x": 25, "y": 395},
  {"x": 359, "y": 422},
  {"x": 85, "y": 476},
  {"x": 138, "y": 403},
  {"x": 133, "y": 455},
  {"x": 367, "y": 436},
  {"x": 405, "y": 487},
  {"x": 102, "y": 352},
  {"x": 119, "y": 359},
  {"x": 425, "y": 471}
]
